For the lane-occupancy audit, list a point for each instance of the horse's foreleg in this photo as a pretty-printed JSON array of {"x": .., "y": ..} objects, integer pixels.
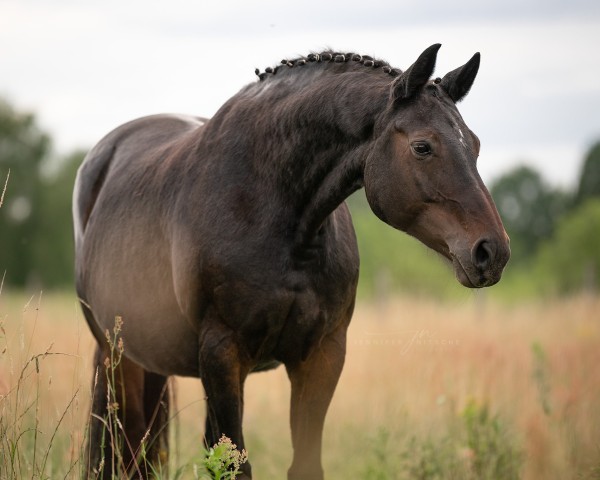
[
  {"x": 313, "y": 383},
  {"x": 223, "y": 374},
  {"x": 210, "y": 437}
]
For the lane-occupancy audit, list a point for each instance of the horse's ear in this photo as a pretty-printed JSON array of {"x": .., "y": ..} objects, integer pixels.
[
  {"x": 417, "y": 75},
  {"x": 457, "y": 83}
]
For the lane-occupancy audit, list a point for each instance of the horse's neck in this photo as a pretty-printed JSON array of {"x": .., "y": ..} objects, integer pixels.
[
  {"x": 306, "y": 142},
  {"x": 337, "y": 185}
]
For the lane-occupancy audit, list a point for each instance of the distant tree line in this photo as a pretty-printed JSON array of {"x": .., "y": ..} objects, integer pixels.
[
  {"x": 35, "y": 221},
  {"x": 554, "y": 233}
]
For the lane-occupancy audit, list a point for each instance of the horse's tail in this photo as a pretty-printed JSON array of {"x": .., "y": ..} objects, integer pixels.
[{"x": 88, "y": 184}]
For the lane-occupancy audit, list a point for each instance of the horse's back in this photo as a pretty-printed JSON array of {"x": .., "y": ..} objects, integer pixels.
[{"x": 127, "y": 143}]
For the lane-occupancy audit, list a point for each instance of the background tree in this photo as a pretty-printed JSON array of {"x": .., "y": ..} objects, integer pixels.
[
  {"x": 570, "y": 261},
  {"x": 52, "y": 251},
  {"x": 36, "y": 246},
  {"x": 589, "y": 181},
  {"x": 529, "y": 208},
  {"x": 23, "y": 148}
]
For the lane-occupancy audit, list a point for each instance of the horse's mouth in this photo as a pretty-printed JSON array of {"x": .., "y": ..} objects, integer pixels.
[
  {"x": 466, "y": 272},
  {"x": 469, "y": 276},
  {"x": 459, "y": 271},
  {"x": 461, "y": 274}
]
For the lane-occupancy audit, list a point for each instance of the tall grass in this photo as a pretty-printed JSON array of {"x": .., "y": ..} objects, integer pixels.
[
  {"x": 467, "y": 390},
  {"x": 39, "y": 432}
]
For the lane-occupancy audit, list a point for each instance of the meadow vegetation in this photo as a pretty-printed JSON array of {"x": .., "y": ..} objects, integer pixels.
[{"x": 457, "y": 389}]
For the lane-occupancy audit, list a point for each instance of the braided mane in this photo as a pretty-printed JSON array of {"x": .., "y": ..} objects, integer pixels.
[{"x": 330, "y": 56}]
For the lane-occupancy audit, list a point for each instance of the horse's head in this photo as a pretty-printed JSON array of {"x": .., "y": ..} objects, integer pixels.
[{"x": 422, "y": 178}]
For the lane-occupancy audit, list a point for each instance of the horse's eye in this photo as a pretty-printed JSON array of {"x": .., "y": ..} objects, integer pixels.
[{"x": 421, "y": 149}]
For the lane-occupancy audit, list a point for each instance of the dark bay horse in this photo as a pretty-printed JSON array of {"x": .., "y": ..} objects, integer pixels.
[{"x": 226, "y": 247}]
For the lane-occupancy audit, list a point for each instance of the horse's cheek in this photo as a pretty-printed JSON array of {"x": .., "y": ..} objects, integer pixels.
[{"x": 388, "y": 186}]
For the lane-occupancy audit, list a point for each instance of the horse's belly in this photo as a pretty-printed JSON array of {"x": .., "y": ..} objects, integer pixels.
[
  {"x": 164, "y": 345},
  {"x": 137, "y": 286},
  {"x": 155, "y": 334}
]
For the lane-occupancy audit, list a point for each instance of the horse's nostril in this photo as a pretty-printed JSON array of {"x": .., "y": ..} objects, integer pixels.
[{"x": 483, "y": 254}]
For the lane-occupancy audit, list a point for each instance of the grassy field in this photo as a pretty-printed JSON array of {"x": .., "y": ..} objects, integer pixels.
[{"x": 467, "y": 389}]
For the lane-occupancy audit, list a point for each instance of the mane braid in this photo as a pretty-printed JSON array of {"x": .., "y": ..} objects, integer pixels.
[{"x": 329, "y": 56}]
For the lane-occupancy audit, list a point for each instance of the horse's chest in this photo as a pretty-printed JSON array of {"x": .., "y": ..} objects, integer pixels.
[
  {"x": 282, "y": 321},
  {"x": 280, "y": 304}
]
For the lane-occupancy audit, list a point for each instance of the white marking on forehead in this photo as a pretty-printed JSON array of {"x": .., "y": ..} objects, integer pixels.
[{"x": 462, "y": 136}]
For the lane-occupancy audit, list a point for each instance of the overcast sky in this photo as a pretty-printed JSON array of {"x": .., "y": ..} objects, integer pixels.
[{"x": 84, "y": 67}]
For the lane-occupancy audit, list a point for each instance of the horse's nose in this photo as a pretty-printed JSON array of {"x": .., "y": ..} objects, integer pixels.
[{"x": 483, "y": 254}]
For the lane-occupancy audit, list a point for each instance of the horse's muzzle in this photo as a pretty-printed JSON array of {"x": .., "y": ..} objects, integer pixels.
[{"x": 481, "y": 265}]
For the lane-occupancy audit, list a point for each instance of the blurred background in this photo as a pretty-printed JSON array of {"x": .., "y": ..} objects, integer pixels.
[{"x": 441, "y": 382}]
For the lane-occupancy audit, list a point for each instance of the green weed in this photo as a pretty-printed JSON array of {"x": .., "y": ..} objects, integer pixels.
[
  {"x": 222, "y": 461},
  {"x": 541, "y": 376},
  {"x": 474, "y": 445},
  {"x": 494, "y": 453}
]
